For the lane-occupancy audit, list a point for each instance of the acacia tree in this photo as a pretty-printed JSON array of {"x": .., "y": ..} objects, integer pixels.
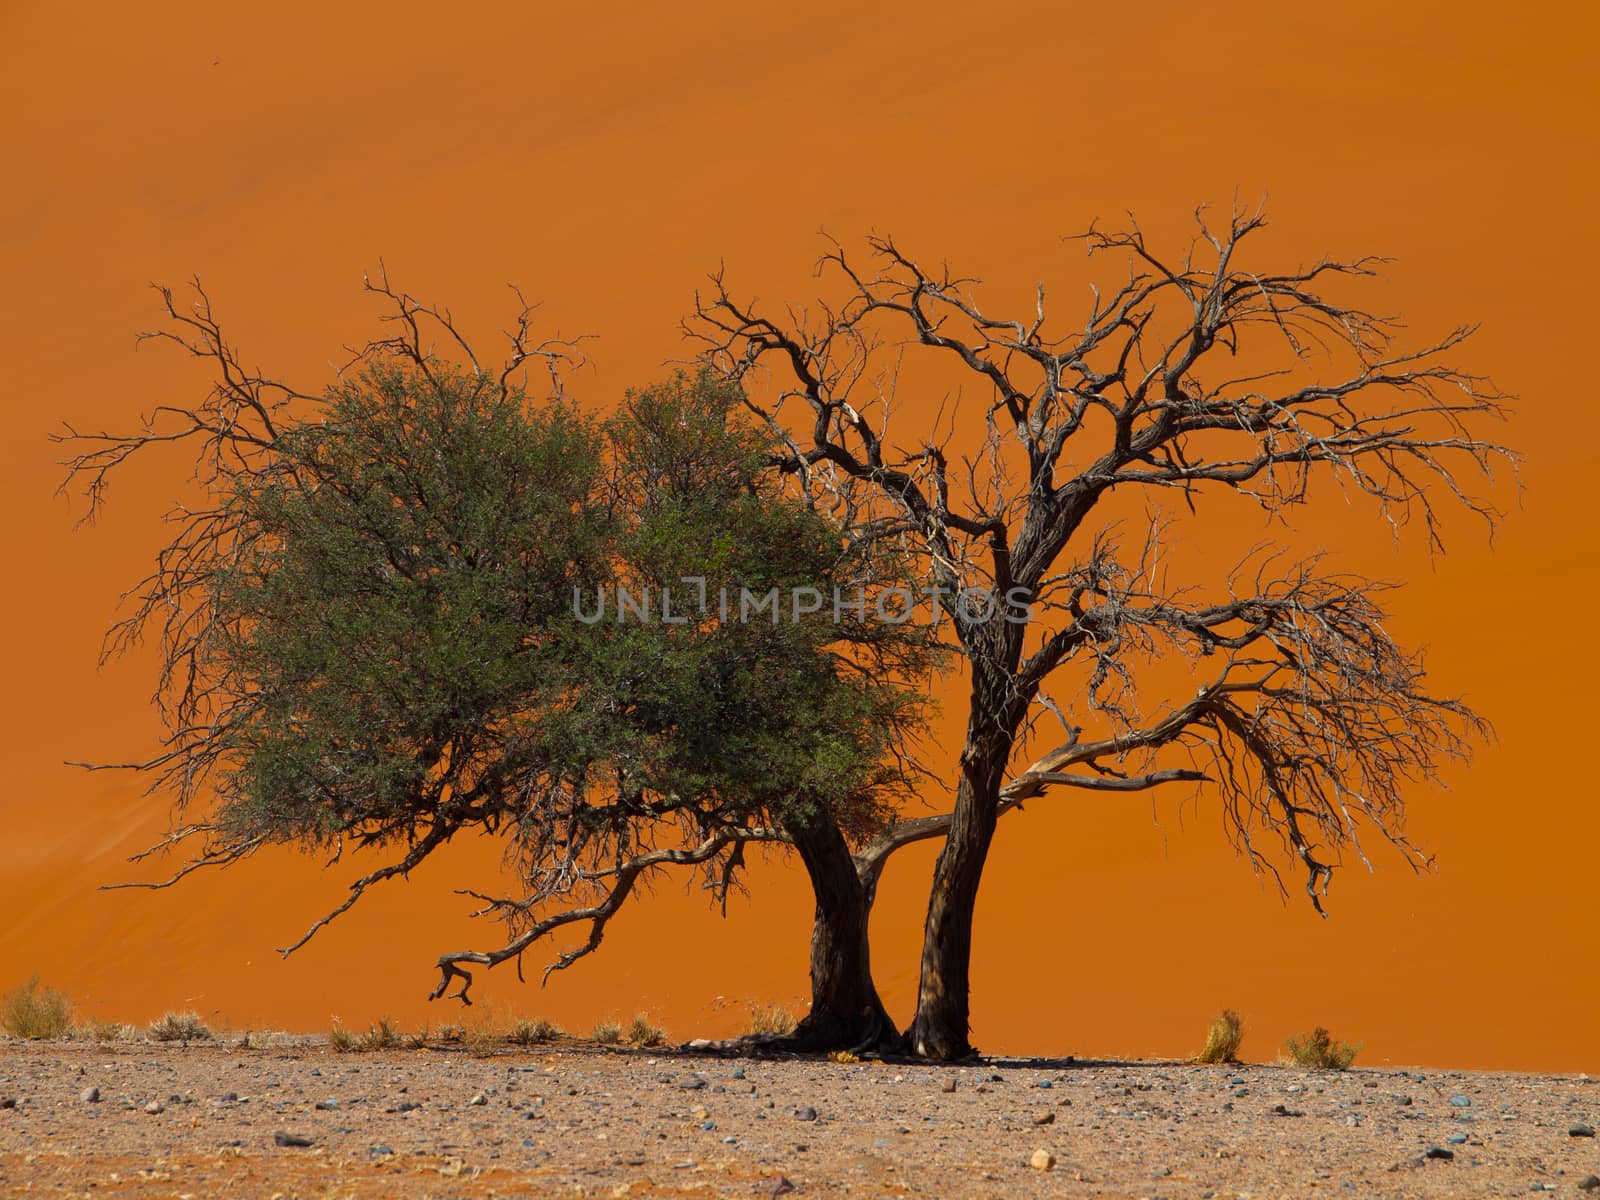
[
  {"x": 368, "y": 636},
  {"x": 1192, "y": 377}
]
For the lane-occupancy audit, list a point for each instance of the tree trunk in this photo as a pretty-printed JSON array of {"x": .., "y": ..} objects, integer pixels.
[
  {"x": 940, "y": 1028},
  {"x": 846, "y": 1013}
]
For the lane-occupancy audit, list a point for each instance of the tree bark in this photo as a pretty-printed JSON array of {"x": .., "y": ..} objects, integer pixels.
[
  {"x": 940, "y": 1029},
  {"x": 846, "y": 1013}
]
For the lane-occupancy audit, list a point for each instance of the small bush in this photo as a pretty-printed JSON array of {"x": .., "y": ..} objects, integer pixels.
[
  {"x": 182, "y": 1027},
  {"x": 607, "y": 1033},
  {"x": 1319, "y": 1051},
  {"x": 105, "y": 1031},
  {"x": 531, "y": 1033},
  {"x": 482, "y": 1040},
  {"x": 641, "y": 1033},
  {"x": 773, "y": 1019},
  {"x": 842, "y": 1056},
  {"x": 451, "y": 1033},
  {"x": 415, "y": 1041},
  {"x": 1222, "y": 1039},
  {"x": 382, "y": 1034},
  {"x": 31, "y": 1011}
]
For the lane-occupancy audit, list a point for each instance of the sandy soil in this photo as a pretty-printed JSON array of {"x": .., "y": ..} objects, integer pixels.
[{"x": 568, "y": 1119}]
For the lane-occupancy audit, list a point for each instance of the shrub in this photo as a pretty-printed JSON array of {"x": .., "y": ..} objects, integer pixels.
[
  {"x": 1318, "y": 1050},
  {"x": 773, "y": 1019},
  {"x": 607, "y": 1033},
  {"x": 380, "y": 1035},
  {"x": 182, "y": 1027},
  {"x": 531, "y": 1033},
  {"x": 842, "y": 1056},
  {"x": 1222, "y": 1039},
  {"x": 483, "y": 1040},
  {"x": 31, "y": 1011},
  {"x": 640, "y": 1032},
  {"x": 105, "y": 1031}
]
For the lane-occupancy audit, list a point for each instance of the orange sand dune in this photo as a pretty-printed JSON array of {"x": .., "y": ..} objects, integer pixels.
[{"x": 606, "y": 157}]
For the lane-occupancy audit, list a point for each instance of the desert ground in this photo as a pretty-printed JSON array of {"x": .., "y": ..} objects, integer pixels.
[{"x": 566, "y": 1118}]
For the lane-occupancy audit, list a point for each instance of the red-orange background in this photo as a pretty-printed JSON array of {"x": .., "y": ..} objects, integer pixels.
[{"x": 606, "y": 158}]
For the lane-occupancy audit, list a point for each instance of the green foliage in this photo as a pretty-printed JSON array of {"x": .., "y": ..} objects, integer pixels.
[
  {"x": 1319, "y": 1051},
  {"x": 370, "y": 639},
  {"x": 1222, "y": 1039},
  {"x": 32, "y": 1011},
  {"x": 393, "y": 614},
  {"x": 401, "y": 623}
]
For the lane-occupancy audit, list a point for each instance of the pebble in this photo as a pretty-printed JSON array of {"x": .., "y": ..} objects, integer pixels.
[
  {"x": 154, "y": 1107},
  {"x": 1460, "y": 1102},
  {"x": 691, "y": 1083},
  {"x": 1044, "y": 1118},
  {"x": 805, "y": 1114},
  {"x": 949, "y": 1085},
  {"x": 1589, "y": 1183},
  {"x": 291, "y": 1139},
  {"x": 90, "y": 1095},
  {"x": 1581, "y": 1131},
  {"x": 1042, "y": 1160},
  {"x": 478, "y": 1100},
  {"x": 1458, "y": 1139},
  {"x": 378, "y": 1151},
  {"x": 1440, "y": 1152}
]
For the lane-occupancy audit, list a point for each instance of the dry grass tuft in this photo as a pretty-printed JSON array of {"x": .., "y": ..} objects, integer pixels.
[
  {"x": 641, "y": 1033},
  {"x": 182, "y": 1027},
  {"x": 842, "y": 1056},
  {"x": 1318, "y": 1050},
  {"x": 773, "y": 1019},
  {"x": 1222, "y": 1039},
  {"x": 607, "y": 1033},
  {"x": 31, "y": 1011},
  {"x": 105, "y": 1031},
  {"x": 531, "y": 1033},
  {"x": 382, "y": 1034}
]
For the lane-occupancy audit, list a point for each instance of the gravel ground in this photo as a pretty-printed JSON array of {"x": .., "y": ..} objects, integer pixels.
[{"x": 568, "y": 1119}]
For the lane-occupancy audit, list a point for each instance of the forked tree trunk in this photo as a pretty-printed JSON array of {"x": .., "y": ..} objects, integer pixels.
[
  {"x": 846, "y": 1013},
  {"x": 940, "y": 1029}
]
